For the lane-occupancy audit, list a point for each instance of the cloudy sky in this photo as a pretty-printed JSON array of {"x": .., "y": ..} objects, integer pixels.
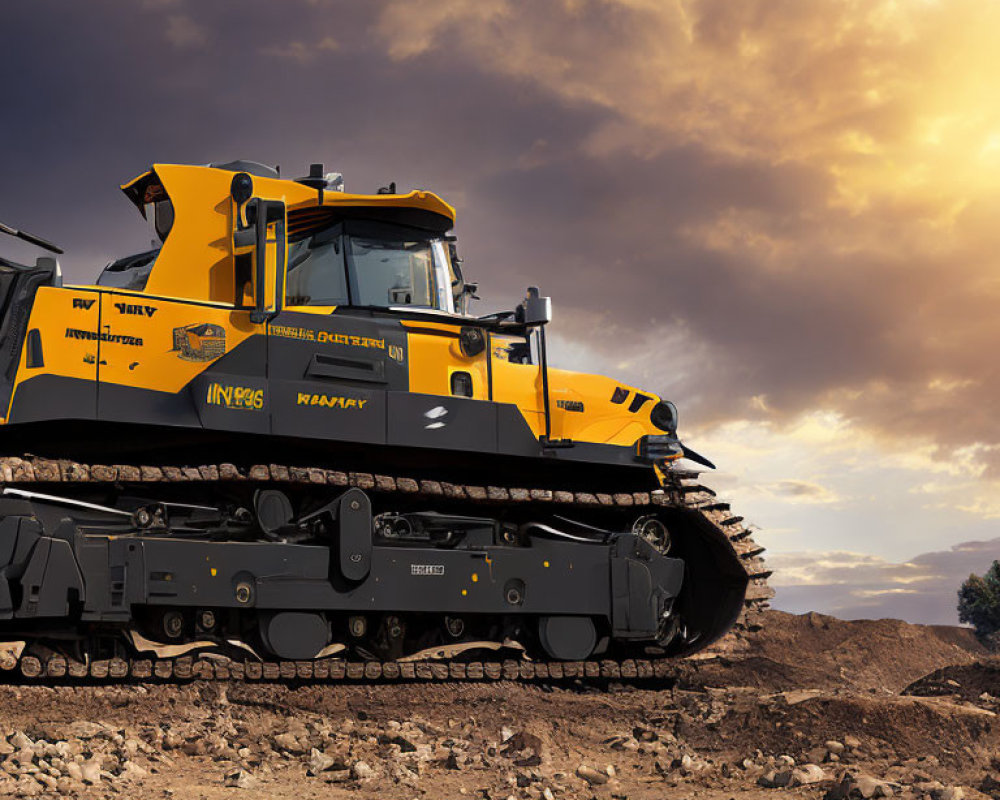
[{"x": 783, "y": 214}]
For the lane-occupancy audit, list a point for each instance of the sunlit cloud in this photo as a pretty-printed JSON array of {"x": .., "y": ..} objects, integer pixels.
[{"x": 885, "y": 110}]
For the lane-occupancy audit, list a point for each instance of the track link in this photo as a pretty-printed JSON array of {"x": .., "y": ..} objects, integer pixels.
[{"x": 681, "y": 489}]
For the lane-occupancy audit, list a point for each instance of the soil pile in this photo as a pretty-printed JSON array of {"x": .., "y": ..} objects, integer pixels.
[{"x": 820, "y": 651}]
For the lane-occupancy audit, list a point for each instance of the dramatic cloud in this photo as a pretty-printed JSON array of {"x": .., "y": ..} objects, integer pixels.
[
  {"x": 782, "y": 214},
  {"x": 805, "y": 184}
]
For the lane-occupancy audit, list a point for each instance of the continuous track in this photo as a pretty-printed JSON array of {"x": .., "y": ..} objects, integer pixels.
[{"x": 682, "y": 489}]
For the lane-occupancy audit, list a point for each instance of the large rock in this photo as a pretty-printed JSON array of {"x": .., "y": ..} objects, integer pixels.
[
  {"x": 590, "y": 775},
  {"x": 83, "y": 729},
  {"x": 133, "y": 772},
  {"x": 859, "y": 786},
  {"x": 806, "y": 775},
  {"x": 775, "y": 779},
  {"x": 289, "y": 742},
  {"x": 90, "y": 771},
  {"x": 319, "y": 762},
  {"x": 239, "y": 779}
]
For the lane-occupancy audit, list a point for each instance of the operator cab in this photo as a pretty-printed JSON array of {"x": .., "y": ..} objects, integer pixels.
[{"x": 374, "y": 264}]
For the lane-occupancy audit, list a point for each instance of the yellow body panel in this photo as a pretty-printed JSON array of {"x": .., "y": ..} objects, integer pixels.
[
  {"x": 129, "y": 338},
  {"x": 179, "y": 340},
  {"x": 435, "y": 355},
  {"x": 320, "y": 311},
  {"x": 520, "y": 384},
  {"x": 68, "y": 319},
  {"x": 196, "y": 260}
]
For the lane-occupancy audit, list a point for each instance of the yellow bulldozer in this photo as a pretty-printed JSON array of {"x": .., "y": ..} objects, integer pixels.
[{"x": 400, "y": 474}]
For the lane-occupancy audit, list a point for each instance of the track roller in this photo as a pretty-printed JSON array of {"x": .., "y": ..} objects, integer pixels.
[
  {"x": 567, "y": 638},
  {"x": 294, "y": 635}
]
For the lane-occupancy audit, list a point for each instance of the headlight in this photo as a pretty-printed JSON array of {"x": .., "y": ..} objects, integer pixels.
[{"x": 664, "y": 416}]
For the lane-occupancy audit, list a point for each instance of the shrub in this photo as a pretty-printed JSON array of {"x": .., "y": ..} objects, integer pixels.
[{"x": 979, "y": 602}]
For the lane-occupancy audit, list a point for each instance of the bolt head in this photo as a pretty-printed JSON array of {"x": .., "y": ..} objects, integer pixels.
[{"x": 243, "y": 592}]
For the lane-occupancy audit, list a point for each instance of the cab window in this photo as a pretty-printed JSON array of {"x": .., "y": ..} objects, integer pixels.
[
  {"x": 316, "y": 273},
  {"x": 363, "y": 263}
]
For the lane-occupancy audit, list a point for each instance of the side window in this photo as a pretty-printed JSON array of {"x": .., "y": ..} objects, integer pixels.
[
  {"x": 316, "y": 274},
  {"x": 129, "y": 273},
  {"x": 515, "y": 349}
]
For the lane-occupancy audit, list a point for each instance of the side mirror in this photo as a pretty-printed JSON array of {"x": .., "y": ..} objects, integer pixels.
[
  {"x": 534, "y": 309},
  {"x": 241, "y": 190},
  {"x": 261, "y": 225}
]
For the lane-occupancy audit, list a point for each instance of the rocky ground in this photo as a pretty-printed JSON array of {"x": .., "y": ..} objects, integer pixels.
[{"x": 819, "y": 708}]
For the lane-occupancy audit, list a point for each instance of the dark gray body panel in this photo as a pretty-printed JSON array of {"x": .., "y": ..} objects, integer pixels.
[{"x": 68, "y": 571}]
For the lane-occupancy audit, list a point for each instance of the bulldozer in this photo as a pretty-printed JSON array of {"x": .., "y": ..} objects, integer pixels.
[{"x": 449, "y": 488}]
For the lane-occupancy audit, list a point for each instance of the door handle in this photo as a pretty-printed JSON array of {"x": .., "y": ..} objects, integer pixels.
[{"x": 351, "y": 369}]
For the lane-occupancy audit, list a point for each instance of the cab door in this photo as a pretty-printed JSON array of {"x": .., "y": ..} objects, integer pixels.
[
  {"x": 516, "y": 380},
  {"x": 330, "y": 373},
  {"x": 451, "y": 360}
]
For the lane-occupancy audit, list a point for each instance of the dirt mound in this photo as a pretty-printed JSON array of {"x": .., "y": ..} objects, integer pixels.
[
  {"x": 820, "y": 651},
  {"x": 968, "y": 682},
  {"x": 812, "y": 710}
]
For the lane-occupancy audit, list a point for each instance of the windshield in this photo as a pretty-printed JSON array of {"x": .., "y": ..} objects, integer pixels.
[
  {"x": 392, "y": 273},
  {"x": 370, "y": 264}
]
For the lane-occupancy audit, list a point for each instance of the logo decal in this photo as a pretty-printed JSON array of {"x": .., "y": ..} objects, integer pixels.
[
  {"x": 202, "y": 341},
  {"x": 244, "y": 398},
  {"x": 111, "y": 338},
  {"x": 326, "y": 337},
  {"x": 79, "y": 302},
  {"x": 427, "y": 569},
  {"x": 570, "y": 405},
  {"x": 396, "y": 353},
  {"x": 329, "y": 401},
  {"x": 436, "y": 417},
  {"x": 134, "y": 310}
]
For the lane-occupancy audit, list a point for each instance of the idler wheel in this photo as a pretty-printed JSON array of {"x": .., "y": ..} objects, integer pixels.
[{"x": 567, "y": 638}]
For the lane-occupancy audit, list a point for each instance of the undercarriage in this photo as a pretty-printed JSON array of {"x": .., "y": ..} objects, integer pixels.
[{"x": 250, "y": 568}]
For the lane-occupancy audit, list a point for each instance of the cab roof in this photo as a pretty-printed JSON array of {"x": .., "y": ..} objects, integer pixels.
[{"x": 307, "y": 205}]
